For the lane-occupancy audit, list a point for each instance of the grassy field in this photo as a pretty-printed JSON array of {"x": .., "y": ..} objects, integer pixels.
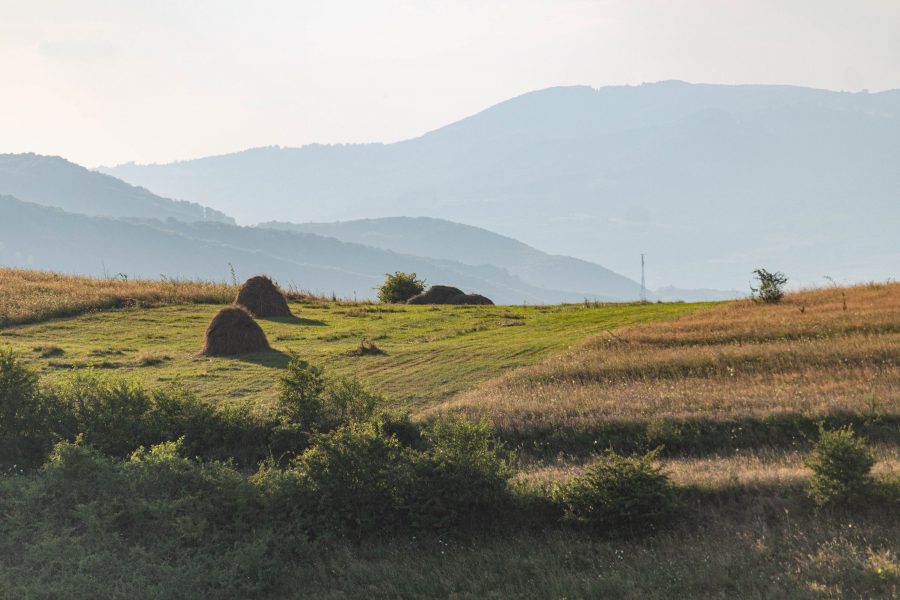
[
  {"x": 29, "y": 296},
  {"x": 736, "y": 392},
  {"x": 820, "y": 354},
  {"x": 430, "y": 352}
]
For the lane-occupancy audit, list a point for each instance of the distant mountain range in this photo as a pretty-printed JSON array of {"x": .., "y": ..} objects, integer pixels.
[
  {"x": 41, "y": 237},
  {"x": 445, "y": 240},
  {"x": 54, "y": 181},
  {"x": 710, "y": 181}
]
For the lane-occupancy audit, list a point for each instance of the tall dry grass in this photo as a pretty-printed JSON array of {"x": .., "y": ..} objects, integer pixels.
[
  {"x": 820, "y": 352},
  {"x": 29, "y": 296}
]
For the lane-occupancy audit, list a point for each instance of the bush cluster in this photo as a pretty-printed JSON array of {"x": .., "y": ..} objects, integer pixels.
[{"x": 330, "y": 460}]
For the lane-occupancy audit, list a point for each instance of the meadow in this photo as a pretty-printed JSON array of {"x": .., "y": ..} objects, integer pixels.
[
  {"x": 428, "y": 353},
  {"x": 733, "y": 394}
]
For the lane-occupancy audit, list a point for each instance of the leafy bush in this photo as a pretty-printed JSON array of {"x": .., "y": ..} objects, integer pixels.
[
  {"x": 112, "y": 414},
  {"x": 318, "y": 404},
  {"x": 25, "y": 415},
  {"x": 462, "y": 475},
  {"x": 354, "y": 479},
  {"x": 300, "y": 395},
  {"x": 619, "y": 493},
  {"x": 400, "y": 287},
  {"x": 840, "y": 463},
  {"x": 771, "y": 286}
]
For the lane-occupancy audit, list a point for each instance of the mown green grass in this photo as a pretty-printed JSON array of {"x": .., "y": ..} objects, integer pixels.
[{"x": 430, "y": 352}]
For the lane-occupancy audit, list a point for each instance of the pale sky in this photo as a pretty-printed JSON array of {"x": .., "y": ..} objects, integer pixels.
[{"x": 105, "y": 82}]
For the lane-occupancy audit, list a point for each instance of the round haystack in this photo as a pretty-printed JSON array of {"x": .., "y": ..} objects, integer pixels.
[
  {"x": 262, "y": 299},
  {"x": 476, "y": 299},
  {"x": 233, "y": 331},
  {"x": 436, "y": 294}
]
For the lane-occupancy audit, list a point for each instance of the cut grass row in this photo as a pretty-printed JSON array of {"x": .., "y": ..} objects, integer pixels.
[
  {"x": 738, "y": 375},
  {"x": 429, "y": 353}
]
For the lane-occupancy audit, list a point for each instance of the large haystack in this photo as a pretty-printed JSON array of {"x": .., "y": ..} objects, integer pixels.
[
  {"x": 436, "y": 294},
  {"x": 233, "y": 331},
  {"x": 262, "y": 299},
  {"x": 471, "y": 299}
]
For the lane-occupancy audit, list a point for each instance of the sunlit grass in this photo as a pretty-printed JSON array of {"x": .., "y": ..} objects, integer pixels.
[{"x": 808, "y": 356}]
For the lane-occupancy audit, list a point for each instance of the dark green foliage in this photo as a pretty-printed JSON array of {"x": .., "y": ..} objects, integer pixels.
[
  {"x": 355, "y": 478},
  {"x": 315, "y": 404},
  {"x": 840, "y": 463},
  {"x": 111, "y": 413},
  {"x": 400, "y": 287},
  {"x": 619, "y": 494},
  {"x": 25, "y": 416},
  {"x": 189, "y": 528},
  {"x": 771, "y": 286},
  {"x": 462, "y": 475}
]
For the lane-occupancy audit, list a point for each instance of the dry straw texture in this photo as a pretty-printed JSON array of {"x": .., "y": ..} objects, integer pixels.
[
  {"x": 233, "y": 332},
  {"x": 262, "y": 298},
  {"x": 30, "y": 296},
  {"x": 819, "y": 352}
]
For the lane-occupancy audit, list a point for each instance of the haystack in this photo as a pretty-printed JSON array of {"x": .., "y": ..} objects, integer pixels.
[
  {"x": 233, "y": 331},
  {"x": 436, "y": 294},
  {"x": 262, "y": 298},
  {"x": 471, "y": 299},
  {"x": 447, "y": 294}
]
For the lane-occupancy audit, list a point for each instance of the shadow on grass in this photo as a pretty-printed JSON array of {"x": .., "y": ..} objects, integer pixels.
[
  {"x": 274, "y": 359},
  {"x": 294, "y": 320}
]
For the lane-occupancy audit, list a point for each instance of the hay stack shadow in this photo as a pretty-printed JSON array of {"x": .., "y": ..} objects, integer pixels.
[
  {"x": 261, "y": 298},
  {"x": 233, "y": 332}
]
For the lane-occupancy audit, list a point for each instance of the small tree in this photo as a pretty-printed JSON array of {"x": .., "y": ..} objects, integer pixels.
[
  {"x": 400, "y": 287},
  {"x": 840, "y": 463},
  {"x": 771, "y": 286}
]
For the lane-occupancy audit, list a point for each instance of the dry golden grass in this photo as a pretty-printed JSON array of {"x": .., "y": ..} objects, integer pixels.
[
  {"x": 751, "y": 470},
  {"x": 809, "y": 355},
  {"x": 29, "y": 296}
]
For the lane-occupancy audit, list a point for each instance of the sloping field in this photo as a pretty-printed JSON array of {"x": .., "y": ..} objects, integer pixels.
[
  {"x": 740, "y": 365},
  {"x": 30, "y": 296},
  {"x": 429, "y": 353}
]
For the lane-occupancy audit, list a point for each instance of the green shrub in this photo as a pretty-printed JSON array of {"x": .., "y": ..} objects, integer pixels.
[
  {"x": 771, "y": 286},
  {"x": 619, "y": 494},
  {"x": 462, "y": 475},
  {"x": 318, "y": 404},
  {"x": 354, "y": 479},
  {"x": 300, "y": 394},
  {"x": 840, "y": 463},
  {"x": 400, "y": 287},
  {"x": 77, "y": 474},
  {"x": 25, "y": 416},
  {"x": 112, "y": 414}
]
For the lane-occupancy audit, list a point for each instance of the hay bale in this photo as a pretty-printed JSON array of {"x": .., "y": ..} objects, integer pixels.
[
  {"x": 476, "y": 299},
  {"x": 262, "y": 298},
  {"x": 436, "y": 294},
  {"x": 233, "y": 331}
]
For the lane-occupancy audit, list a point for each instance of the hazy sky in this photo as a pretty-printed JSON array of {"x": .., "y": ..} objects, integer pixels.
[{"x": 104, "y": 82}]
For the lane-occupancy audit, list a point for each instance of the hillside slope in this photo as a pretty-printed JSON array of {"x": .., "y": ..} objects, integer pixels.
[
  {"x": 441, "y": 239},
  {"x": 39, "y": 237},
  {"x": 710, "y": 181},
  {"x": 54, "y": 181}
]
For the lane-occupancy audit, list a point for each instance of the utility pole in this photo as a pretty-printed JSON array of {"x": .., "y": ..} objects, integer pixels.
[{"x": 643, "y": 281}]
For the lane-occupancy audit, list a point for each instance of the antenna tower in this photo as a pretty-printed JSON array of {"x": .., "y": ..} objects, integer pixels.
[{"x": 643, "y": 281}]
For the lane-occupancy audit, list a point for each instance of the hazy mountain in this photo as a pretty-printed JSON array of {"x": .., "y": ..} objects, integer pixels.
[
  {"x": 53, "y": 181},
  {"x": 41, "y": 237},
  {"x": 436, "y": 238},
  {"x": 710, "y": 181}
]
